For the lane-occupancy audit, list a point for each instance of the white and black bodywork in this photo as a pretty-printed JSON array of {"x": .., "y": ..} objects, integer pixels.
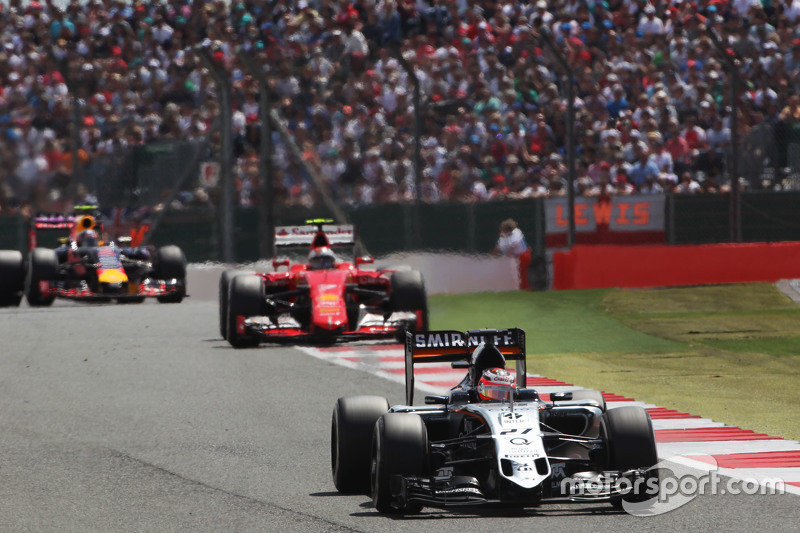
[{"x": 461, "y": 450}]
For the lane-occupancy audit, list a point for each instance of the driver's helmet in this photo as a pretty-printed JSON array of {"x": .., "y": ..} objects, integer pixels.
[
  {"x": 87, "y": 238},
  {"x": 321, "y": 258},
  {"x": 496, "y": 384}
]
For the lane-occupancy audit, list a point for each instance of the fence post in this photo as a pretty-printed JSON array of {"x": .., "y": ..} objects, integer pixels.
[
  {"x": 226, "y": 221},
  {"x": 266, "y": 190},
  {"x": 731, "y": 62},
  {"x": 417, "y": 226},
  {"x": 546, "y": 37}
]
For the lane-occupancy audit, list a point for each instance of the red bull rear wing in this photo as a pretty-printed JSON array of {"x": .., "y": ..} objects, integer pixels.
[{"x": 457, "y": 347}]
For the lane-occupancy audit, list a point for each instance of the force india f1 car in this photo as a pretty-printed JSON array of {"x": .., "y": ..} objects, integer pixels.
[
  {"x": 323, "y": 299},
  {"x": 86, "y": 268},
  {"x": 491, "y": 439}
]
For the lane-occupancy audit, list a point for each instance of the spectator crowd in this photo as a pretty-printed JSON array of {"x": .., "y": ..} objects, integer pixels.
[{"x": 653, "y": 112}]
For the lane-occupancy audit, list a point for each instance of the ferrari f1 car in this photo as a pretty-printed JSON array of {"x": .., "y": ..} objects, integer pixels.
[
  {"x": 321, "y": 299},
  {"x": 87, "y": 268},
  {"x": 490, "y": 439}
]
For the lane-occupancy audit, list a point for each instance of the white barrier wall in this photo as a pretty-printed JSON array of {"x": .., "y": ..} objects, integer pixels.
[{"x": 443, "y": 273}]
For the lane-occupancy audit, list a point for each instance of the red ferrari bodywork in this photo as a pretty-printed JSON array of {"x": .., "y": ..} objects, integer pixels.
[{"x": 343, "y": 302}]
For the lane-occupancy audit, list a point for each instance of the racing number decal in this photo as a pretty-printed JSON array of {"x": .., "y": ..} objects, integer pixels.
[{"x": 515, "y": 430}]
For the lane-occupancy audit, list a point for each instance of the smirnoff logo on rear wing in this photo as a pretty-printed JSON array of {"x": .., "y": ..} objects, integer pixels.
[{"x": 455, "y": 339}]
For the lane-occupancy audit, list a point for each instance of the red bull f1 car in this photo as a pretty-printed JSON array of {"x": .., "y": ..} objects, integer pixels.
[
  {"x": 86, "y": 267},
  {"x": 490, "y": 440},
  {"x": 321, "y": 298}
]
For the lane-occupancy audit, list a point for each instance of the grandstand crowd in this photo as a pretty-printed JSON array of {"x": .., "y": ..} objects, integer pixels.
[{"x": 652, "y": 106}]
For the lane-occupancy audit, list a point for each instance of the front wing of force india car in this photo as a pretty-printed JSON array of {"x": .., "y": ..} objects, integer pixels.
[
  {"x": 101, "y": 272},
  {"x": 460, "y": 450},
  {"x": 344, "y": 302}
]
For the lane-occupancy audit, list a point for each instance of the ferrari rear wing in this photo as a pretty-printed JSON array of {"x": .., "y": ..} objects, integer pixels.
[
  {"x": 457, "y": 347},
  {"x": 337, "y": 235}
]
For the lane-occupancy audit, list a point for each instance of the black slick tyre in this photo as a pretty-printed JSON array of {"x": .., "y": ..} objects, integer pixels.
[
  {"x": 170, "y": 264},
  {"x": 224, "y": 285},
  {"x": 12, "y": 277},
  {"x": 399, "y": 447},
  {"x": 589, "y": 394},
  {"x": 245, "y": 298},
  {"x": 631, "y": 445},
  {"x": 408, "y": 294},
  {"x": 352, "y": 423},
  {"x": 42, "y": 268}
]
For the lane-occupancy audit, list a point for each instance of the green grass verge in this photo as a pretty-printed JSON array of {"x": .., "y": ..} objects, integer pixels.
[{"x": 726, "y": 352}]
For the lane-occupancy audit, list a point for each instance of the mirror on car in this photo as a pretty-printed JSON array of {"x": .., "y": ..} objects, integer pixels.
[{"x": 561, "y": 396}]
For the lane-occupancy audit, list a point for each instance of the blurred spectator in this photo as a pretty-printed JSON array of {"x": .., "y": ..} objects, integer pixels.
[
  {"x": 687, "y": 184},
  {"x": 644, "y": 171},
  {"x": 511, "y": 242},
  {"x": 650, "y": 92}
]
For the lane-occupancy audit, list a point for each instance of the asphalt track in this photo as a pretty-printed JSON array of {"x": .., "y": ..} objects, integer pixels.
[{"x": 140, "y": 418}]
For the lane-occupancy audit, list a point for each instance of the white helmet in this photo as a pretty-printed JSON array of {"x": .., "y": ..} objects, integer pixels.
[{"x": 321, "y": 258}]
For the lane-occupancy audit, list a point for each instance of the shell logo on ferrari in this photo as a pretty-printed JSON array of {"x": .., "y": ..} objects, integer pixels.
[{"x": 329, "y": 302}]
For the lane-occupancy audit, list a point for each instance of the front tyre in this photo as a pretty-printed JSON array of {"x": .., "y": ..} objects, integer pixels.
[
  {"x": 42, "y": 270},
  {"x": 399, "y": 447},
  {"x": 170, "y": 264},
  {"x": 630, "y": 445},
  {"x": 352, "y": 423},
  {"x": 245, "y": 298},
  {"x": 224, "y": 285}
]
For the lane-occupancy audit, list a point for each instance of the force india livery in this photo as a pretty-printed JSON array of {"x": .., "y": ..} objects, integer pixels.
[
  {"x": 86, "y": 267},
  {"x": 491, "y": 439},
  {"x": 321, "y": 299}
]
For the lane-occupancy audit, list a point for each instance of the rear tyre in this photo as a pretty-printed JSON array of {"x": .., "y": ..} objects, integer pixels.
[
  {"x": 631, "y": 445},
  {"x": 42, "y": 267},
  {"x": 12, "y": 278},
  {"x": 399, "y": 447},
  {"x": 245, "y": 298},
  {"x": 397, "y": 268},
  {"x": 224, "y": 285},
  {"x": 589, "y": 394},
  {"x": 171, "y": 264},
  {"x": 352, "y": 424},
  {"x": 408, "y": 294}
]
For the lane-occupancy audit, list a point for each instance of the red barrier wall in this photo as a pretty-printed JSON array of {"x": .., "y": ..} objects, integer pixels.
[{"x": 588, "y": 267}]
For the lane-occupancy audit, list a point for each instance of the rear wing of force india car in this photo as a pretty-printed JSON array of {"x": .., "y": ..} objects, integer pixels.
[{"x": 472, "y": 350}]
